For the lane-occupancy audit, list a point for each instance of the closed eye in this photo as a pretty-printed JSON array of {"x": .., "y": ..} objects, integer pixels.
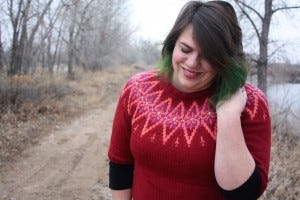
[{"x": 185, "y": 50}]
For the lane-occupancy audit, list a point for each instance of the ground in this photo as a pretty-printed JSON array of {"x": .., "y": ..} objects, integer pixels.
[{"x": 70, "y": 161}]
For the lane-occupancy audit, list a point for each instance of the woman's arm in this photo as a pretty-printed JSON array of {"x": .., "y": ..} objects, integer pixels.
[
  {"x": 234, "y": 163},
  {"x": 121, "y": 194}
]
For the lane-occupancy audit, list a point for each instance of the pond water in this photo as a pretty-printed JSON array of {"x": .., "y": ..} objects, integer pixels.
[
  {"x": 284, "y": 101},
  {"x": 285, "y": 95}
]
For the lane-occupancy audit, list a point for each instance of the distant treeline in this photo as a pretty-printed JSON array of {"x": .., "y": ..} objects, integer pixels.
[
  {"x": 57, "y": 35},
  {"x": 284, "y": 73}
]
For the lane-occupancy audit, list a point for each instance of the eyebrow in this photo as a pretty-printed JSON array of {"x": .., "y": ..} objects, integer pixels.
[{"x": 186, "y": 45}]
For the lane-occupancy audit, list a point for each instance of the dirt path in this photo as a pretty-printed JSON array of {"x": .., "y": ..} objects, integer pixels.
[{"x": 70, "y": 163}]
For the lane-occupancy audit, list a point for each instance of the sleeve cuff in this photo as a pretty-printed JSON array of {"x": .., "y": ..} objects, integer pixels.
[
  {"x": 250, "y": 190},
  {"x": 120, "y": 176}
]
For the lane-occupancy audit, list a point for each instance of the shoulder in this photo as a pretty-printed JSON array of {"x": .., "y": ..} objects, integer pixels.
[
  {"x": 254, "y": 92},
  {"x": 139, "y": 79},
  {"x": 257, "y": 102},
  {"x": 144, "y": 76}
]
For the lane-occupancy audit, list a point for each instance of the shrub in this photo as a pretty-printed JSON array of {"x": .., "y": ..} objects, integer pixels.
[{"x": 26, "y": 104}]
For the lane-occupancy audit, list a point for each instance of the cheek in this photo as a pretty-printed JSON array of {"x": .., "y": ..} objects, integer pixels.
[
  {"x": 207, "y": 67},
  {"x": 176, "y": 57}
]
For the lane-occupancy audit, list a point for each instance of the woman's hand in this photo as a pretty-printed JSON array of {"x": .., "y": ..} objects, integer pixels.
[{"x": 235, "y": 104}]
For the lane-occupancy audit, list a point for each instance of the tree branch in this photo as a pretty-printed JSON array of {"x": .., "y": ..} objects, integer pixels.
[
  {"x": 249, "y": 18},
  {"x": 285, "y": 8},
  {"x": 278, "y": 48},
  {"x": 239, "y": 2},
  {"x": 39, "y": 21}
]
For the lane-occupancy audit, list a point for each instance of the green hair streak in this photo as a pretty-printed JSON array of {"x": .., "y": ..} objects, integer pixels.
[
  {"x": 232, "y": 78},
  {"x": 165, "y": 67}
]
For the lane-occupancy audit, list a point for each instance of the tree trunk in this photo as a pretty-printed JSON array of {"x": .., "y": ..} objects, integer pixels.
[
  {"x": 262, "y": 75},
  {"x": 12, "y": 69},
  {"x": 262, "y": 64},
  {"x": 22, "y": 47},
  {"x": 71, "y": 51},
  {"x": 1, "y": 53},
  {"x": 18, "y": 51}
]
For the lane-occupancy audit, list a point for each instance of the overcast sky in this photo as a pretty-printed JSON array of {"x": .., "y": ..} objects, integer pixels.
[{"x": 154, "y": 18}]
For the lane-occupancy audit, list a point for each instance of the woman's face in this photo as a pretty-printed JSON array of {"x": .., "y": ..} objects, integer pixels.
[{"x": 191, "y": 71}]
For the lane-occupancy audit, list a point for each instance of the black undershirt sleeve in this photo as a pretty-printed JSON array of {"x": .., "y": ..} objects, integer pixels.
[
  {"x": 250, "y": 190},
  {"x": 120, "y": 176}
]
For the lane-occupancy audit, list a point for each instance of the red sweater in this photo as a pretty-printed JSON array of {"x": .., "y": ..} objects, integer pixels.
[{"x": 170, "y": 137}]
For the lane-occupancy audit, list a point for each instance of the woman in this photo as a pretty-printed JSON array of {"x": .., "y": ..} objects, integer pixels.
[{"x": 193, "y": 129}]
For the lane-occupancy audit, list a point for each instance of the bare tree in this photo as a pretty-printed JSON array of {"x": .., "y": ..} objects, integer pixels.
[
  {"x": 26, "y": 17},
  {"x": 77, "y": 16},
  {"x": 97, "y": 32},
  {"x": 111, "y": 34},
  {"x": 261, "y": 28},
  {"x": 31, "y": 51},
  {"x": 93, "y": 34},
  {"x": 1, "y": 52},
  {"x": 15, "y": 17},
  {"x": 50, "y": 37}
]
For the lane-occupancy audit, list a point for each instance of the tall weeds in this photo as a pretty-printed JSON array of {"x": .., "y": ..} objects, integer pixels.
[
  {"x": 25, "y": 103},
  {"x": 284, "y": 177}
]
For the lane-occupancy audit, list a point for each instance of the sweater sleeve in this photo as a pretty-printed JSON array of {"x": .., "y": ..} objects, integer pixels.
[
  {"x": 256, "y": 125},
  {"x": 119, "y": 149}
]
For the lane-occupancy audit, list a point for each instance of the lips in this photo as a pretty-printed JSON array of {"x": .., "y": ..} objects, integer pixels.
[{"x": 189, "y": 74}]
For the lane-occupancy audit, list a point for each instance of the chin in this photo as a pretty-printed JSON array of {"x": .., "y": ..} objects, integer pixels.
[{"x": 187, "y": 88}]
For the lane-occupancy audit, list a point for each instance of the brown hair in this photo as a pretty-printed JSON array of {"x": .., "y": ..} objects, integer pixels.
[{"x": 218, "y": 34}]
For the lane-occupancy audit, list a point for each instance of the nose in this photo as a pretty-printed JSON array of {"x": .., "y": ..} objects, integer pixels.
[{"x": 193, "y": 61}]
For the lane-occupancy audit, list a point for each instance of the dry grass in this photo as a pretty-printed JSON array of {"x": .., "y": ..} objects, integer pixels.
[
  {"x": 27, "y": 104},
  {"x": 284, "y": 177},
  {"x": 31, "y": 106}
]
